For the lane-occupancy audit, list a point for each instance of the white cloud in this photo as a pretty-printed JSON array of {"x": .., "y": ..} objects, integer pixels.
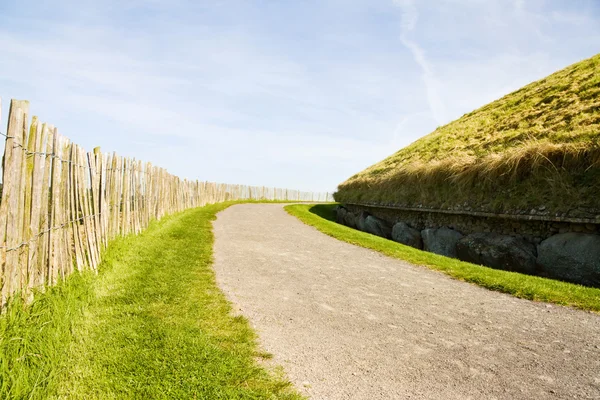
[
  {"x": 409, "y": 18},
  {"x": 410, "y": 15}
]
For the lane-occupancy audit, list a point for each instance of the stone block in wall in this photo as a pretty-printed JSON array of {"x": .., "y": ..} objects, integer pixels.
[
  {"x": 577, "y": 228},
  {"x": 498, "y": 251},
  {"x": 441, "y": 241},
  {"x": 573, "y": 257},
  {"x": 360, "y": 220},
  {"x": 378, "y": 227},
  {"x": 340, "y": 213},
  {"x": 591, "y": 227},
  {"x": 350, "y": 220},
  {"x": 402, "y": 233}
]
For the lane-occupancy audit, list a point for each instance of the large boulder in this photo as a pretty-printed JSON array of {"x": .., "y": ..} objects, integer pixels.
[
  {"x": 573, "y": 257},
  {"x": 441, "y": 241},
  {"x": 350, "y": 220},
  {"x": 361, "y": 221},
  {"x": 498, "y": 251},
  {"x": 402, "y": 233},
  {"x": 340, "y": 213},
  {"x": 377, "y": 227}
]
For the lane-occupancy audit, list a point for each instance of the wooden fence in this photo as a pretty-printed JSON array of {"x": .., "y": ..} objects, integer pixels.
[{"x": 61, "y": 205}]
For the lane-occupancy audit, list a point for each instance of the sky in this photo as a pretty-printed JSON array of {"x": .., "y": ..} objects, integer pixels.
[{"x": 292, "y": 94}]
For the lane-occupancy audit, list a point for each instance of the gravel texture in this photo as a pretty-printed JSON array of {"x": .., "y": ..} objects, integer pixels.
[{"x": 348, "y": 323}]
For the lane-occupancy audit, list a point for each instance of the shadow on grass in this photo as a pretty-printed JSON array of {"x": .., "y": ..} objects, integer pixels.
[{"x": 324, "y": 211}]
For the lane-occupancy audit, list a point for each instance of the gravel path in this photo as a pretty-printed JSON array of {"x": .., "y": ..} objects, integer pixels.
[{"x": 348, "y": 323}]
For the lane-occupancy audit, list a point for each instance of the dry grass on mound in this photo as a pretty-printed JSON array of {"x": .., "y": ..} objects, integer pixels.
[
  {"x": 537, "y": 146},
  {"x": 559, "y": 177}
]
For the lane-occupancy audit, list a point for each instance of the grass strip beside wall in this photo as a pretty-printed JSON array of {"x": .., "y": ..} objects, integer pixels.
[
  {"x": 519, "y": 285},
  {"x": 153, "y": 324}
]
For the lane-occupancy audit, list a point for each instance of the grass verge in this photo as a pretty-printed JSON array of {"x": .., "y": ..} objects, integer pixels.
[
  {"x": 519, "y": 285},
  {"x": 34, "y": 339},
  {"x": 152, "y": 325}
]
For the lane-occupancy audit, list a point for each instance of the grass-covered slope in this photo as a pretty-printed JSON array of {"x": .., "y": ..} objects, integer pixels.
[{"x": 538, "y": 146}]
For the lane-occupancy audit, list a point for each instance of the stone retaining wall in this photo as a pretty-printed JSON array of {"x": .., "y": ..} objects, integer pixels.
[
  {"x": 566, "y": 249},
  {"x": 532, "y": 230}
]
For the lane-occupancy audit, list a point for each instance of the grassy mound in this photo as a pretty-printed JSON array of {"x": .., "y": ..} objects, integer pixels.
[{"x": 536, "y": 147}]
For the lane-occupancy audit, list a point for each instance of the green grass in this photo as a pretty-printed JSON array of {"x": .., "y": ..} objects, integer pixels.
[
  {"x": 539, "y": 145},
  {"x": 151, "y": 325},
  {"x": 34, "y": 339},
  {"x": 519, "y": 285}
]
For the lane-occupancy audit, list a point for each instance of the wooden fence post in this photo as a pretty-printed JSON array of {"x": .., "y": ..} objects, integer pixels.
[{"x": 12, "y": 197}]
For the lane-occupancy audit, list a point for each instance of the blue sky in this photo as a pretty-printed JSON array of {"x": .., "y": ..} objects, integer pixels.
[{"x": 297, "y": 94}]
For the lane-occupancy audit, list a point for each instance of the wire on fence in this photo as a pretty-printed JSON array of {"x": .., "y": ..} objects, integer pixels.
[
  {"x": 120, "y": 195},
  {"x": 38, "y": 235}
]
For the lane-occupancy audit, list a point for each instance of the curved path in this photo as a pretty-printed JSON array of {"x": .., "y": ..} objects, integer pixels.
[{"x": 348, "y": 323}]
